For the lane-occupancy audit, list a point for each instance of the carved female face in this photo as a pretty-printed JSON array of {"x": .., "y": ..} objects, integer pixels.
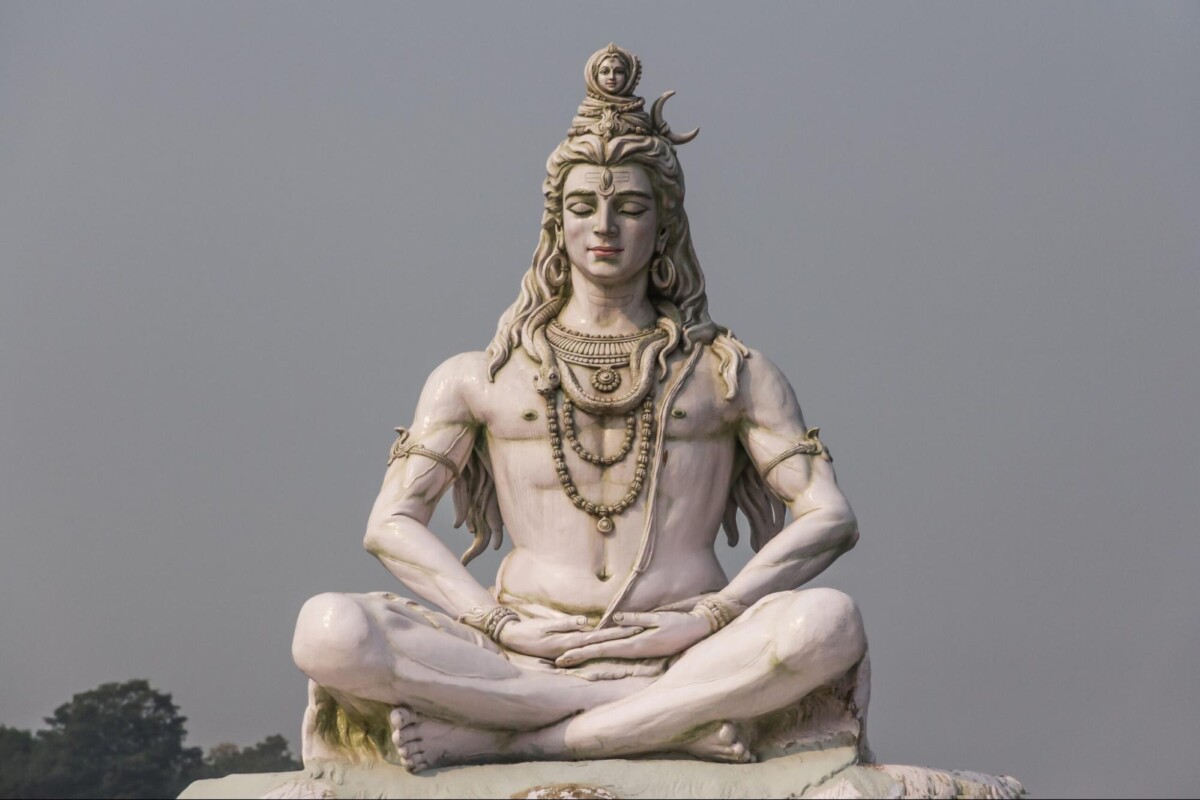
[
  {"x": 611, "y": 74},
  {"x": 610, "y": 221}
]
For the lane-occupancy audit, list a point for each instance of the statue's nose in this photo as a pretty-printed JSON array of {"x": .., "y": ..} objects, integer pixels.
[{"x": 604, "y": 224}]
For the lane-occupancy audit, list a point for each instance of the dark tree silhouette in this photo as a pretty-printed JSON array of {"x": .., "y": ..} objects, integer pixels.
[
  {"x": 269, "y": 755},
  {"x": 122, "y": 740},
  {"x": 16, "y": 750},
  {"x": 119, "y": 740}
]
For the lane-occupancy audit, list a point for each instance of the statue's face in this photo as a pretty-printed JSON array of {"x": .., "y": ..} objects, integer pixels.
[
  {"x": 610, "y": 221},
  {"x": 611, "y": 74}
]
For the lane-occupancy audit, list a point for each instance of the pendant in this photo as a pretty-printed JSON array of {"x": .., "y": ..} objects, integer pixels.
[
  {"x": 604, "y": 524},
  {"x": 606, "y": 380}
]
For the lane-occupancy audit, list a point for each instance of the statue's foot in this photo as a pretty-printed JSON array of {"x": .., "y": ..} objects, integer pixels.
[
  {"x": 720, "y": 744},
  {"x": 424, "y": 743}
]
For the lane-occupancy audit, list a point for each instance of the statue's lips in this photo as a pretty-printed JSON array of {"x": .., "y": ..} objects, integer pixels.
[{"x": 606, "y": 251}]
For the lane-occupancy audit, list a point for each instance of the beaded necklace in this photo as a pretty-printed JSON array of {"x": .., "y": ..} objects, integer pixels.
[{"x": 601, "y": 511}]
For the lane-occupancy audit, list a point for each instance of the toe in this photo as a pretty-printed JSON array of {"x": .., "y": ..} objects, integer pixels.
[{"x": 398, "y": 717}]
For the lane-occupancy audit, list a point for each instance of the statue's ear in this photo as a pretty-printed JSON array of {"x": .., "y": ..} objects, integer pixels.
[{"x": 660, "y": 244}]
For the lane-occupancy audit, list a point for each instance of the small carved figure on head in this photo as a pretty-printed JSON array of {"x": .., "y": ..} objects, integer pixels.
[{"x": 612, "y": 73}]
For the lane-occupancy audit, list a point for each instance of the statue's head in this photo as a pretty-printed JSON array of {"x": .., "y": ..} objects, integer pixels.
[{"x": 613, "y": 149}]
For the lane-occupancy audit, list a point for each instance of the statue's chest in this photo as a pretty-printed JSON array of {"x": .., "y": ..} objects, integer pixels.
[{"x": 512, "y": 410}]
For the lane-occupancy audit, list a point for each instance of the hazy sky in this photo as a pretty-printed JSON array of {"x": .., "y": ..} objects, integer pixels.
[{"x": 235, "y": 238}]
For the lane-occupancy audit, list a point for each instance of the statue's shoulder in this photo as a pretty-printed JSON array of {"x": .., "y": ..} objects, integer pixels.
[
  {"x": 766, "y": 393},
  {"x": 757, "y": 364},
  {"x": 739, "y": 371},
  {"x": 459, "y": 370},
  {"x": 454, "y": 383},
  {"x": 753, "y": 377},
  {"x": 469, "y": 381},
  {"x": 466, "y": 365}
]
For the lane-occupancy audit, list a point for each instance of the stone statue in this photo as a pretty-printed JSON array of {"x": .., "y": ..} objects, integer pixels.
[{"x": 613, "y": 429}]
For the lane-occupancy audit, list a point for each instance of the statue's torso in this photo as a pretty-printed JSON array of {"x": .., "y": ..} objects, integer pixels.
[{"x": 560, "y": 559}]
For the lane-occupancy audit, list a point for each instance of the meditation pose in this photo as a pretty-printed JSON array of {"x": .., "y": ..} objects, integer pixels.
[{"x": 612, "y": 428}]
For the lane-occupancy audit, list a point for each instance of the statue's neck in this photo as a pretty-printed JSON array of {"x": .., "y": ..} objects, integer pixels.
[{"x": 608, "y": 310}]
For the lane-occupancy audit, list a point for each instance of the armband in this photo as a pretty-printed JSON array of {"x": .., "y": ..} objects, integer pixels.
[
  {"x": 402, "y": 448},
  {"x": 810, "y": 445}
]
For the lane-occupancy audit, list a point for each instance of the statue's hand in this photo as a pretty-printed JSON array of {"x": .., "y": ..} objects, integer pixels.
[
  {"x": 667, "y": 633},
  {"x": 550, "y": 638}
]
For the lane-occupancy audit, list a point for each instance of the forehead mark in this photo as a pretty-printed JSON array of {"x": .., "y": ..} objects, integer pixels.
[{"x": 607, "y": 179}]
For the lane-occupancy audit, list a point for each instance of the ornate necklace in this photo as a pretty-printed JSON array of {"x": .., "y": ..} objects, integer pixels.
[
  {"x": 602, "y": 512},
  {"x": 605, "y": 355},
  {"x": 588, "y": 350}
]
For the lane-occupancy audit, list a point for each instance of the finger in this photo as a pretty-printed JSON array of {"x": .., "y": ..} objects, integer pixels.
[
  {"x": 646, "y": 619},
  {"x": 565, "y": 624},
  {"x": 617, "y": 648},
  {"x": 574, "y": 639},
  {"x": 608, "y": 634}
]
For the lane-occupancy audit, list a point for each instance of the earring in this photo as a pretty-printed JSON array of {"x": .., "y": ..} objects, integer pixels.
[
  {"x": 556, "y": 270},
  {"x": 662, "y": 271}
]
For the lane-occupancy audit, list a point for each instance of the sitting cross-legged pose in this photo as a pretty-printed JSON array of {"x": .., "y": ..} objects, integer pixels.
[{"x": 612, "y": 428}]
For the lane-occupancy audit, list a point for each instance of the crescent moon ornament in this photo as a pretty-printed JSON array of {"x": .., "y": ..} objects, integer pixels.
[{"x": 660, "y": 125}]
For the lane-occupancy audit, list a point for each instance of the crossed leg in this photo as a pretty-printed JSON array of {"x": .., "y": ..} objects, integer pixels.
[
  {"x": 784, "y": 647},
  {"x": 383, "y": 649}
]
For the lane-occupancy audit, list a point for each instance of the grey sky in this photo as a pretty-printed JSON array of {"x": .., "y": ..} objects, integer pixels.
[{"x": 234, "y": 239}]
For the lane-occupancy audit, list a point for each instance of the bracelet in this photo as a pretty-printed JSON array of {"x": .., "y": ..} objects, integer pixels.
[
  {"x": 719, "y": 610},
  {"x": 489, "y": 621}
]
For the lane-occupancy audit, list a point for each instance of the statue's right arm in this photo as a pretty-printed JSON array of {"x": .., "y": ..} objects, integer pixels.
[{"x": 397, "y": 532}]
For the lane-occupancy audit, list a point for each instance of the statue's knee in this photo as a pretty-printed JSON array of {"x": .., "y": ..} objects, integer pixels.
[
  {"x": 835, "y": 604},
  {"x": 331, "y": 633},
  {"x": 826, "y": 622}
]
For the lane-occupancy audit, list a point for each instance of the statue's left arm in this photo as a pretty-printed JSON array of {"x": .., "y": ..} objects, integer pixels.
[{"x": 795, "y": 465}]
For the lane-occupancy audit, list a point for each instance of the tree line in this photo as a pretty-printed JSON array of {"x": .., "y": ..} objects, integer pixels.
[{"x": 122, "y": 740}]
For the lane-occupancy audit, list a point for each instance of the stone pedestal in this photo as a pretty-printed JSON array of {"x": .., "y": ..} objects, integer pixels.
[{"x": 830, "y": 772}]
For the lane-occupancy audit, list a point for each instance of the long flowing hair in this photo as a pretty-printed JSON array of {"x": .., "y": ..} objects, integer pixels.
[
  {"x": 676, "y": 277},
  {"x": 676, "y": 289}
]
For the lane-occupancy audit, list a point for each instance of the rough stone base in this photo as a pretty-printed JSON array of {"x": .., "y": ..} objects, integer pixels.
[{"x": 829, "y": 772}]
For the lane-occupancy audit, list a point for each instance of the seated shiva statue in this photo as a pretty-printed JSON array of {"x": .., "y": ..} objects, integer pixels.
[{"x": 613, "y": 428}]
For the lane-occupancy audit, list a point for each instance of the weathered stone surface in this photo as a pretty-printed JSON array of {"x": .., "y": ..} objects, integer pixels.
[{"x": 831, "y": 773}]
